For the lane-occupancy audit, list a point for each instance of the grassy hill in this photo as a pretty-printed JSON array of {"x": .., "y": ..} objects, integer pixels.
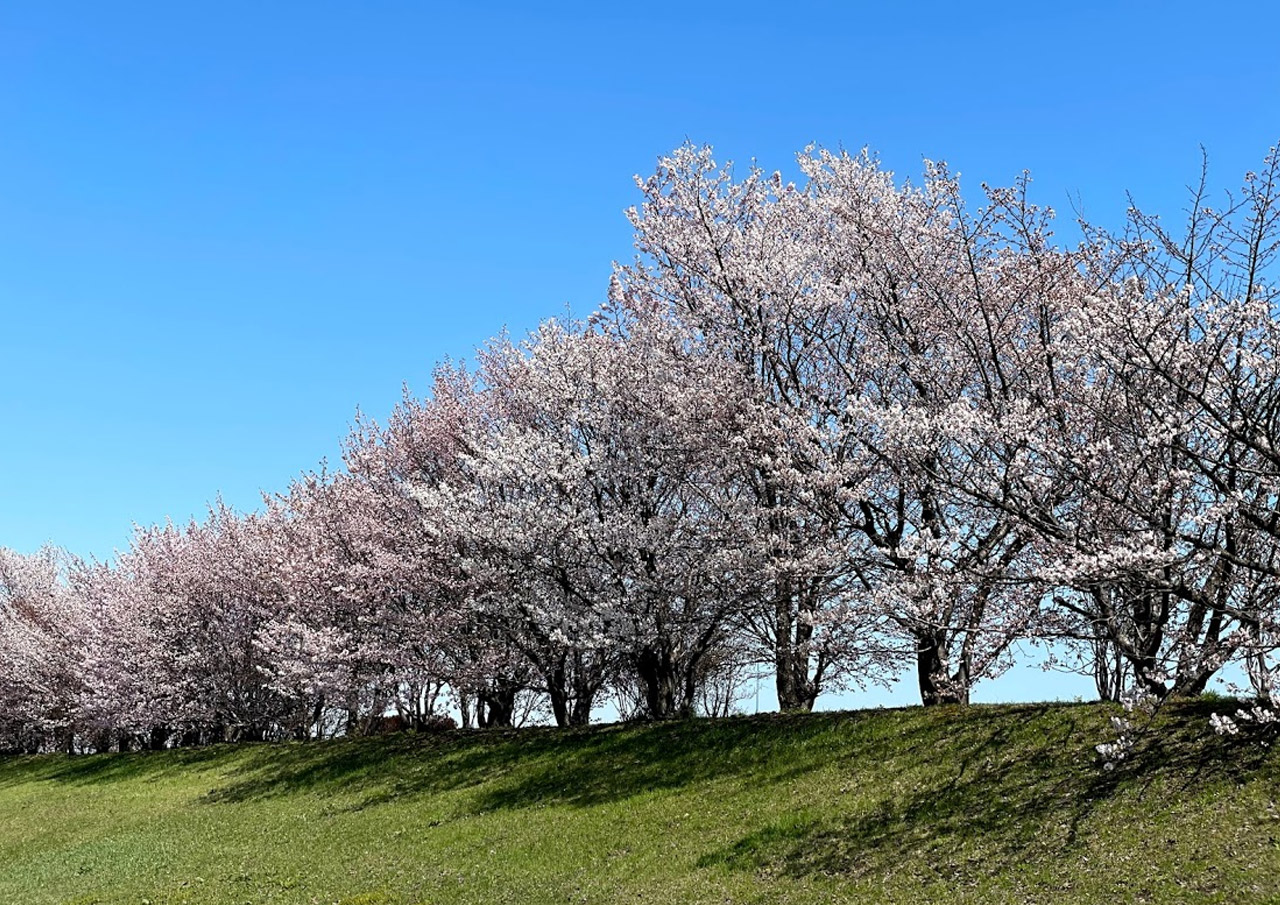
[{"x": 986, "y": 804}]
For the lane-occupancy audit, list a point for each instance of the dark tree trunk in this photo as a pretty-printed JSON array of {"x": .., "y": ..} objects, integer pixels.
[
  {"x": 667, "y": 694},
  {"x": 571, "y": 689},
  {"x": 101, "y": 741},
  {"x": 936, "y": 686},
  {"x": 252, "y": 732},
  {"x": 784, "y": 654},
  {"x": 797, "y": 690},
  {"x": 558, "y": 690},
  {"x": 1192, "y": 685},
  {"x": 580, "y": 715},
  {"x": 585, "y": 684},
  {"x": 497, "y": 706},
  {"x": 317, "y": 719}
]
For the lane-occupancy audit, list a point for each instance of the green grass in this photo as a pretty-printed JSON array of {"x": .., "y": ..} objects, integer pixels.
[{"x": 986, "y": 804}]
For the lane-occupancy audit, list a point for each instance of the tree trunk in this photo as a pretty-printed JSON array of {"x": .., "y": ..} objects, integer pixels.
[
  {"x": 497, "y": 706},
  {"x": 584, "y": 691},
  {"x": 797, "y": 691},
  {"x": 557, "y": 689},
  {"x": 663, "y": 686},
  {"x": 580, "y": 715},
  {"x": 783, "y": 651},
  {"x": 936, "y": 686},
  {"x": 317, "y": 720}
]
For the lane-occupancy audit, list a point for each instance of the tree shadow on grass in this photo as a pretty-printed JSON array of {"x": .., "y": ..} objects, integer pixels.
[
  {"x": 942, "y": 785},
  {"x": 530, "y": 767},
  {"x": 1010, "y": 790},
  {"x": 582, "y": 768},
  {"x": 91, "y": 769}
]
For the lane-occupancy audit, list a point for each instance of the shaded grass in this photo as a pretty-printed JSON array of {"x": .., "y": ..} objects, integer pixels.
[{"x": 997, "y": 804}]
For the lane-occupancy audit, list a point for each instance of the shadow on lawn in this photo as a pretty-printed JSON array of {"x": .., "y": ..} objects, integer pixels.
[
  {"x": 952, "y": 793},
  {"x": 91, "y": 769},
  {"x": 1005, "y": 791},
  {"x": 1004, "y": 771},
  {"x": 532, "y": 767}
]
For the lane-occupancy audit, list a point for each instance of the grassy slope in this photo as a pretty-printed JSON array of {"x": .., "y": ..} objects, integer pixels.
[{"x": 989, "y": 804}]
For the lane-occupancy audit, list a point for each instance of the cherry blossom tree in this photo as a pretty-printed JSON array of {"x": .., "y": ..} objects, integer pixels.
[
  {"x": 836, "y": 430},
  {"x": 1188, "y": 338},
  {"x": 206, "y": 591},
  {"x": 862, "y": 318},
  {"x": 595, "y": 512},
  {"x": 364, "y": 624},
  {"x": 42, "y": 627},
  {"x": 420, "y": 466}
]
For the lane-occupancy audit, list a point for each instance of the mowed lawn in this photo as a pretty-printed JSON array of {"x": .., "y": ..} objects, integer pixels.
[{"x": 984, "y": 804}]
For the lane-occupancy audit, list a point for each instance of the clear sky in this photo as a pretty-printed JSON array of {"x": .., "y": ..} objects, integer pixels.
[{"x": 225, "y": 226}]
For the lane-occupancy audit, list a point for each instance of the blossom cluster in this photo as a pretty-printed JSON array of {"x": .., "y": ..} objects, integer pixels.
[{"x": 825, "y": 432}]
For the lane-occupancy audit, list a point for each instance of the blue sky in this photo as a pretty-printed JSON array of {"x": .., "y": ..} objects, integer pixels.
[{"x": 223, "y": 229}]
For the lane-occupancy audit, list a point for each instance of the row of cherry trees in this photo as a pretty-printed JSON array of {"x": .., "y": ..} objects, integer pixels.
[{"x": 832, "y": 431}]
